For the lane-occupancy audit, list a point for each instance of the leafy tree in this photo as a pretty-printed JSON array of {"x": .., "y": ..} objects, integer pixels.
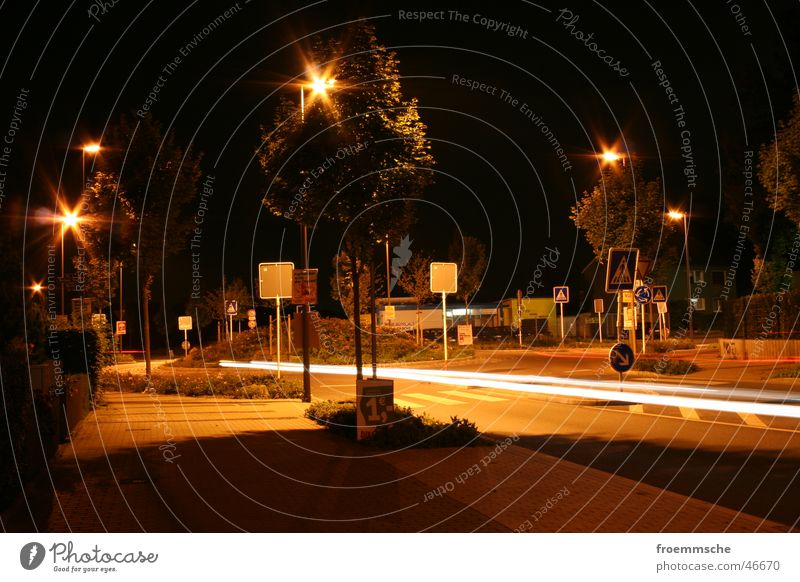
[
  {"x": 622, "y": 210},
  {"x": 779, "y": 166},
  {"x": 470, "y": 255},
  {"x": 146, "y": 175},
  {"x": 354, "y": 158},
  {"x": 212, "y": 306},
  {"x": 342, "y": 284},
  {"x": 415, "y": 280}
]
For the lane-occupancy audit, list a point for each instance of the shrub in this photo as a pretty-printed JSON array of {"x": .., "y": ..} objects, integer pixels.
[
  {"x": 403, "y": 428},
  {"x": 790, "y": 372},
  {"x": 667, "y": 367},
  {"x": 662, "y": 346}
]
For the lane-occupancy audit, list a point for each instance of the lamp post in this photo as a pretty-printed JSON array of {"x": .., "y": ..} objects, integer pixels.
[
  {"x": 68, "y": 221},
  {"x": 677, "y": 215},
  {"x": 90, "y": 148},
  {"x": 317, "y": 86}
]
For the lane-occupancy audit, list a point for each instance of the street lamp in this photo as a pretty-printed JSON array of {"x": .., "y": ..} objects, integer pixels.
[
  {"x": 318, "y": 85},
  {"x": 69, "y": 221},
  {"x": 677, "y": 215},
  {"x": 89, "y": 148}
]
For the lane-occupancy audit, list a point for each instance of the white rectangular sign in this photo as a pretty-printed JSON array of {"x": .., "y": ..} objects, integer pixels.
[{"x": 275, "y": 280}]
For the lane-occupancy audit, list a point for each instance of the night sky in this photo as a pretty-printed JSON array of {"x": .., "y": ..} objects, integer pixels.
[{"x": 489, "y": 77}]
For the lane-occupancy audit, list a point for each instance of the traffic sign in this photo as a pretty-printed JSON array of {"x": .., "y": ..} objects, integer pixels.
[
  {"x": 185, "y": 344},
  {"x": 185, "y": 323},
  {"x": 444, "y": 278},
  {"x": 621, "y": 357},
  {"x": 659, "y": 293},
  {"x": 275, "y": 280},
  {"x": 598, "y": 306},
  {"x": 621, "y": 269},
  {"x": 251, "y": 323},
  {"x": 304, "y": 286},
  {"x": 374, "y": 403},
  {"x": 388, "y": 314},
  {"x": 464, "y": 335},
  {"x": 643, "y": 294},
  {"x": 662, "y": 307},
  {"x": 122, "y": 328},
  {"x": 231, "y": 307},
  {"x": 251, "y": 315},
  {"x": 561, "y": 294}
]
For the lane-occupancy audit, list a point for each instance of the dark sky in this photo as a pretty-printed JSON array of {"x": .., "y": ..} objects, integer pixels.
[{"x": 499, "y": 178}]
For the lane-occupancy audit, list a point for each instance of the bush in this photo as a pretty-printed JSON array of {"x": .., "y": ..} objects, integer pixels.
[
  {"x": 226, "y": 385},
  {"x": 403, "y": 429},
  {"x": 664, "y": 366},
  {"x": 663, "y": 346},
  {"x": 790, "y": 372}
]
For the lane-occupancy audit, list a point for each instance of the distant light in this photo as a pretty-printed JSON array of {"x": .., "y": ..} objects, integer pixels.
[
  {"x": 610, "y": 156},
  {"x": 321, "y": 85},
  {"x": 675, "y": 215},
  {"x": 37, "y": 287},
  {"x": 91, "y": 148}
]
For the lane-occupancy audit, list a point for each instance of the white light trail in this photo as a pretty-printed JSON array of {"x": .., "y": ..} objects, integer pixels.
[{"x": 553, "y": 386}]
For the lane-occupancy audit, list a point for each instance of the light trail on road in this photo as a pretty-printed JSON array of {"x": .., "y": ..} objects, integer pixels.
[{"x": 569, "y": 387}]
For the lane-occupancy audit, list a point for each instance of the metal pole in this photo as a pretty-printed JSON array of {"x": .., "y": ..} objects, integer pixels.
[
  {"x": 121, "y": 313},
  {"x": 185, "y": 350},
  {"x": 63, "y": 307},
  {"x": 306, "y": 329},
  {"x": 373, "y": 323},
  {"x": 278, "y": 328},
  {"x": 690, "y": 307},
  {"x": 519, "y": 317},
  {"x": 600, "y": 325},
  {"x": 644, "y": 344},
  {"x": 444, "y": 323},
  {"x": 270, "y": 336},
  {"x": 388, "y": 276},
  {"x": 561, "y": 305},
  {"x": 302, "y": 105},
  {"x": 619, "y": 319}
]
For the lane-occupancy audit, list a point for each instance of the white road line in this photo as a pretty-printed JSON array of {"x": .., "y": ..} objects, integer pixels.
[
  {"x": 407, "y": 403},
  {"x": 636, "y": 408},
  {"x": 689, "y": 413},
  {"x": 751, "y": 419},
  {"x": 472, "y": 396},
  {"x": 436, "y": 399}
]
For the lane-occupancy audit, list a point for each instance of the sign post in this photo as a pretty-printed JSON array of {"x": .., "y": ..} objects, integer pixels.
[
  {"x": 643, "y": 295},
  {"x": 231, "y": 309},
  {"x": 185, "y": 324},
  {"x": 444, "y": 280},
  {"x": 465, "y": 335},
  {"x": 374, "y": 403},
  {"x": 621, "y": 359},
  {"x": 561, "y": 296},
  {"x": 519, "y": 315},
  {"x": 251, "y": 318},
  {"x": 620, "y": 274},
  {"x": 275, "y": 282},
  {"x": 598, "y": 309}
]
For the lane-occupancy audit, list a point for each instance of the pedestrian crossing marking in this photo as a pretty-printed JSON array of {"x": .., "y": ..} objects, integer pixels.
[
  {"x": 622, "y": 275},
  {"x": 406, "y": 403},
  {"x": 636, "y": 408},
  {"x": 689, "y": 413},
  {"x": 751, "y": 419},
  {"x": 435, "y": 399},
  {"x": 481, "y": 397}
]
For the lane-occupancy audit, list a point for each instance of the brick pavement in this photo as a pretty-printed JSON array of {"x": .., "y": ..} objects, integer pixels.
[{"x": 166, "y": 463}]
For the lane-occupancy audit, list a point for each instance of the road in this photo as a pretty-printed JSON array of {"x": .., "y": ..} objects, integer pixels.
[{"x": 746, "y": 462}]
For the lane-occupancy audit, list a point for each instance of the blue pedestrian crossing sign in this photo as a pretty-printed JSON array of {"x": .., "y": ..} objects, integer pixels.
[
  {"x": 643, "y": 295},
  {"x": 621, "y": 270},
  {"x": 561, "y": 294},
  {"x": 621, "y": 357},
  {"x": 659, "y": 293}
]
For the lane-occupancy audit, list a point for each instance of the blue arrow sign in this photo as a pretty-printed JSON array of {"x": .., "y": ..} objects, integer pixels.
[
  {"x": 643, "y": 295},
  {"x": 621, "y": 357}
]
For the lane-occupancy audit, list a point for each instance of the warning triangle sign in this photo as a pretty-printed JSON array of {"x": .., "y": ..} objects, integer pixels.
[
  {"x": 560, "y": 295},
  {"x": 622, "y": 275},
  {"x": 658, "y": 295}
]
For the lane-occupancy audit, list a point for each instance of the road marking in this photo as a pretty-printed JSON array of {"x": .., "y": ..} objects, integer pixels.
[
  {"x": 752, "y": 419},
  {"x": 473, "y": 396},
  {"x": 636, "y": 408},
  {"x": 407, "y": 403},
  {"x": 436, "y": 399},
  {"x": 689, "y": 413}
]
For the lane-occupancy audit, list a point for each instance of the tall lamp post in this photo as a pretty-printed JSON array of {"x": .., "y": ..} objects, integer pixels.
[
  {"x": 320, "y": 86},
  {"x": 90, "y": 148},
  {"x": 68, "y": 221},
  {"x": 677, "y": 215}
]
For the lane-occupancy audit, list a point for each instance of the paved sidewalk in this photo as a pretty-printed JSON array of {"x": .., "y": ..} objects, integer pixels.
[{"x": 169, "y": 463}]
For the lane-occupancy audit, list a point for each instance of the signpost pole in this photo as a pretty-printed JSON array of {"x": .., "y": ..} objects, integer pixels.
[
  {"x": 561, "y": 305},
  {"x": 444, "y": 323},
  {"x": 619, "y": 319},
  {"x": 644, "y": 330},
  {"x": 185, "y": 343},
  {"x": 306, "y": 329},
  {"x": 600, "y": 325},
  {"x": 519, "y": 315},
  {"x": 278, "y": 329}
]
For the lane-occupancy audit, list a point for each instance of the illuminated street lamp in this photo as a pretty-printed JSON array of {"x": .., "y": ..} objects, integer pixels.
[
  {"x": 89, "y": 148},
  {"x": 321, "y": 86},
  {"x": 69, "y": 221},
  {"x": 677, "y": 215}
]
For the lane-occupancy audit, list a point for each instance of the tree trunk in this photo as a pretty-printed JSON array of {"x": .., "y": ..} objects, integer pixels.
[
  {"x": 419, "y": 327},
  {"x": 148, "y": 283},
  {"x": 357, "y": 317}
]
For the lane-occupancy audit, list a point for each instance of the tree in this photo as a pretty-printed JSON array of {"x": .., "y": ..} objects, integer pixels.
[
  {"x": 416, "y": 281},
  {"x": 622, "y": 210},
  {"x": 470, "y": 255},
  {"x": 354, "y": 158},
  {"x": 153, "y": 180},
  {"x": 212, "y": 307},
  {"x": 342, "y": 284},
  {"x": 779, "y": 166}
]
